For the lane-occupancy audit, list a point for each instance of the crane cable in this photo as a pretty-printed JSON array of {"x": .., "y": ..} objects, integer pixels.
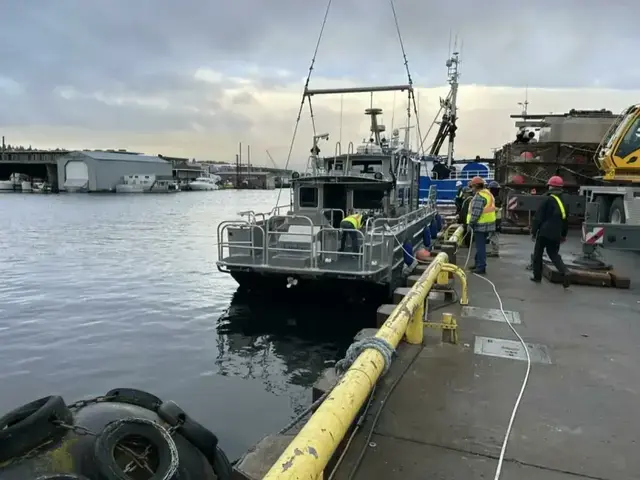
[
  {"x": 412, "y": 98},
  {"x": 304, "y": 94}
]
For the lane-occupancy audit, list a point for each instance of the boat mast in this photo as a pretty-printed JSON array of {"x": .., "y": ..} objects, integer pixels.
[{"x": 453, "y": 75}]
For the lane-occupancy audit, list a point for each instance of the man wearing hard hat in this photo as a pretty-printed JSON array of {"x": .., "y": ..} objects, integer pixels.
[
  {"x": 482, "y": 221},
  {"x": 549, "y": 230}
]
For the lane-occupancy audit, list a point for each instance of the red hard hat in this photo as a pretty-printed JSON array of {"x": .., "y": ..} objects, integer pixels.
[
  {"x": 477, "y": 181},
  {"x": 555, "y": 181}
]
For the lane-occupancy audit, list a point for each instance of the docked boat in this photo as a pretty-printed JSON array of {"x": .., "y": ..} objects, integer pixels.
[
  {"x": 298, "y": 245},
  {"x": 442, "y": 171},
  {"x": 205, "y": 183},
  {"x": 145, "y": 184},
  {"x": 13, "y": 184}
]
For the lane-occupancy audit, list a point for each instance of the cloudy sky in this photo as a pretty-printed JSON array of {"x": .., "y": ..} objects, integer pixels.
[{"x": 193, "y": 78}]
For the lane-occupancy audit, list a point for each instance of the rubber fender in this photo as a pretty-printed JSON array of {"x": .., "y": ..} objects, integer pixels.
[
  {"x": 426, "y": 238},
  {"x": 196, "y": 434},
  {"x": 63, "y": 476},
  {"x": 407, "y": 251},
  {"x": 222, "y": 466},
  {"x": 156, "y": 435},
  {"x": 433, "y": 228},
  {"x": 29, "y": 426},
  {"x": 132, "y": 396}
]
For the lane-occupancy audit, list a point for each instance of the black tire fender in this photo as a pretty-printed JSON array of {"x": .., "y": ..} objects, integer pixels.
[
  {"x": 29, "y": 426},
  {"x": 201, "y": 438},
  {"x": 155, "y": 434},
  {"x": 222, "y": 466},
  {"x": 132, "y": 396}
]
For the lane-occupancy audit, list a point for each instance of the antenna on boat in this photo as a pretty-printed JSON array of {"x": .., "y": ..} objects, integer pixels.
[
  {"x": 525, "y": 104},
  {"x": 451, "y": 110},
  {"x": 341, "y": 110}
]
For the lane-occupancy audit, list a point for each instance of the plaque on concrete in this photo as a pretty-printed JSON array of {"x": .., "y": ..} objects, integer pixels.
[
  {"x": 491, "y": 314},
  {"x": 501, "y": 348}
]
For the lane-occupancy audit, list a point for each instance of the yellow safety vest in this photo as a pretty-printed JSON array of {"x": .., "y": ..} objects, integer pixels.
[
  {"x": 489, "y": 210},
  {"x": 355, "y": 220},
  {"x": 563, "y": 212}
]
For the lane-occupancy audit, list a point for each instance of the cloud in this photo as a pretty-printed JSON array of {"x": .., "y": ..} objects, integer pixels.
[{"x": 195, "y": 78}]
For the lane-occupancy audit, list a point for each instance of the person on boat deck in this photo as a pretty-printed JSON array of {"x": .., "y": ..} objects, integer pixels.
[
  {"x": 482, "y": 221},
  {"x": 494, "y": 238},
  {"x": 459, "y": 196},
  {"x": 350, "y": 226},
  {"x": 549, "y": 230}
]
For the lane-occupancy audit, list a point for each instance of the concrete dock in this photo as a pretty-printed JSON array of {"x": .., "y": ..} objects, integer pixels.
[{"x": 449, "y": 411}]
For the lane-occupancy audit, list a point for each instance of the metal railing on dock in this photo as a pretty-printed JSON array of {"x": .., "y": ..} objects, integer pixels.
[{"x": 311, "y": 450}]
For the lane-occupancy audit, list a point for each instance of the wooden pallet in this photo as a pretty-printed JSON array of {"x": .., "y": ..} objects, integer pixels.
[{"x": 595, "y": 278}]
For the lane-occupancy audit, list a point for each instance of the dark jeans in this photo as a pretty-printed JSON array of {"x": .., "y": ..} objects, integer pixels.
[
  {"x": 481, "y": 250},
  {"x": 350, "y": 232},
  {"x": 552, "y": 247}
]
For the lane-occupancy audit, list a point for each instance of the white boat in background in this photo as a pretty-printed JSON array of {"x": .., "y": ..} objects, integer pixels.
[
  {"x": 26, "y": 186},
  {"x": 145, "y": 184},
  {"x": 13, "y": 184},
  {"x": 205, "y": 183}
]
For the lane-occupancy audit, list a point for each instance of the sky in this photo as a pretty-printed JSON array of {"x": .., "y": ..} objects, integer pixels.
[{"x": 195, "y": 78}]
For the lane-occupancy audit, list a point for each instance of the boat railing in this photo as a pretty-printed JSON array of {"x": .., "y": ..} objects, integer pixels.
[
  {"x": 331, "y": 211},
  {"x": 332, "y": 236},
  {"x": 252, "y": 246},
  {"x": 487, "y": 174},
  {"x": 402, "y": 222},
  {"x": 272, "y": 238}
]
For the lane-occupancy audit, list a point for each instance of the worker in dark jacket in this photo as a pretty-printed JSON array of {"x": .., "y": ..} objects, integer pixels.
[
  {"x": 549, "y": 230},
  {"x": 459, "y": 196},
  {"x": 467, "y": 196}
]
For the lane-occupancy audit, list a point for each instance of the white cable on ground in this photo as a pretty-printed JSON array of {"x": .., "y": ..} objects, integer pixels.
[{"x": 525, "y": 381}]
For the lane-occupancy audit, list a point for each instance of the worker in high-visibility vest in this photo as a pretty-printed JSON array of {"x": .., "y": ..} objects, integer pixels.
[
  {"x": 350, "y": 226},
  {"x": 482, "y": 221},
  {"x": 494, "y": 238},
  {"x": 549, "y": 230}
]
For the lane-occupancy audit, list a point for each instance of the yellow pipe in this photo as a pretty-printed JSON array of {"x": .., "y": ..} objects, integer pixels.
[
  {"x": 310, "y": 451},
  {"x": 458, "y": 235},
  {"x": 458, "y": 272},
  {"x": 446, "y": 234}
]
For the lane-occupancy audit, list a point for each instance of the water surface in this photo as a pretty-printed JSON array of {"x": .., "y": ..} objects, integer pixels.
[{"x": 105, "y": 291}]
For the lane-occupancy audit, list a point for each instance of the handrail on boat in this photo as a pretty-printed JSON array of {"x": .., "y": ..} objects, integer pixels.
[{"x": 310, "y": 451}]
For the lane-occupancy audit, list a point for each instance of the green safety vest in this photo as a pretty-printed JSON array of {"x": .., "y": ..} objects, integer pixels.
[{"x": 355, "y": 220}]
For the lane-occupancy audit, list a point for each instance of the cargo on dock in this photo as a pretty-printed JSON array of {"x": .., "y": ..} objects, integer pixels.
[{"x": 443, "y": 408}]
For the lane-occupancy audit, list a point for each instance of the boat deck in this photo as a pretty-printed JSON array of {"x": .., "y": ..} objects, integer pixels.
[
  {"x": 343, "y": 264},
  {"x": 448, "y": 414}
]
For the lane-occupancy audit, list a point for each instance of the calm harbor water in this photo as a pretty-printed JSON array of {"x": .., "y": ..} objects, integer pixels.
[{"x": 106, "y": 291}]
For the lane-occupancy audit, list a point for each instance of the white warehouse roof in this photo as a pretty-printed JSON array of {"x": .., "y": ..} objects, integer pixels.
[{"x": 121, "y": 157}]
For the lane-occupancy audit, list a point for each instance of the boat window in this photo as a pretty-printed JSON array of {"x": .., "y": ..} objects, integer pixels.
[
  {"x": 631, "y": 141},
  {"x": 308, "y": 197},
  {"x": 368, "y": 199}
]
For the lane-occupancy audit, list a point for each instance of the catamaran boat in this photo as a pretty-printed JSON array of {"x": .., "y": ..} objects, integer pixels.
[
  {"x": 205, "y": 183},
  {"x": 296, "y": 246}
]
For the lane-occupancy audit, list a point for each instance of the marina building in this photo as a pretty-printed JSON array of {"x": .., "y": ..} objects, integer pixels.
[{"x": 99, "y": 171}]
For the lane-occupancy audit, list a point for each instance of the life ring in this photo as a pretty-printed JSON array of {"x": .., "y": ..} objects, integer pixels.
[
  {"x": 145, "y": 432},
  {"x": 29, "y": 426}
]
